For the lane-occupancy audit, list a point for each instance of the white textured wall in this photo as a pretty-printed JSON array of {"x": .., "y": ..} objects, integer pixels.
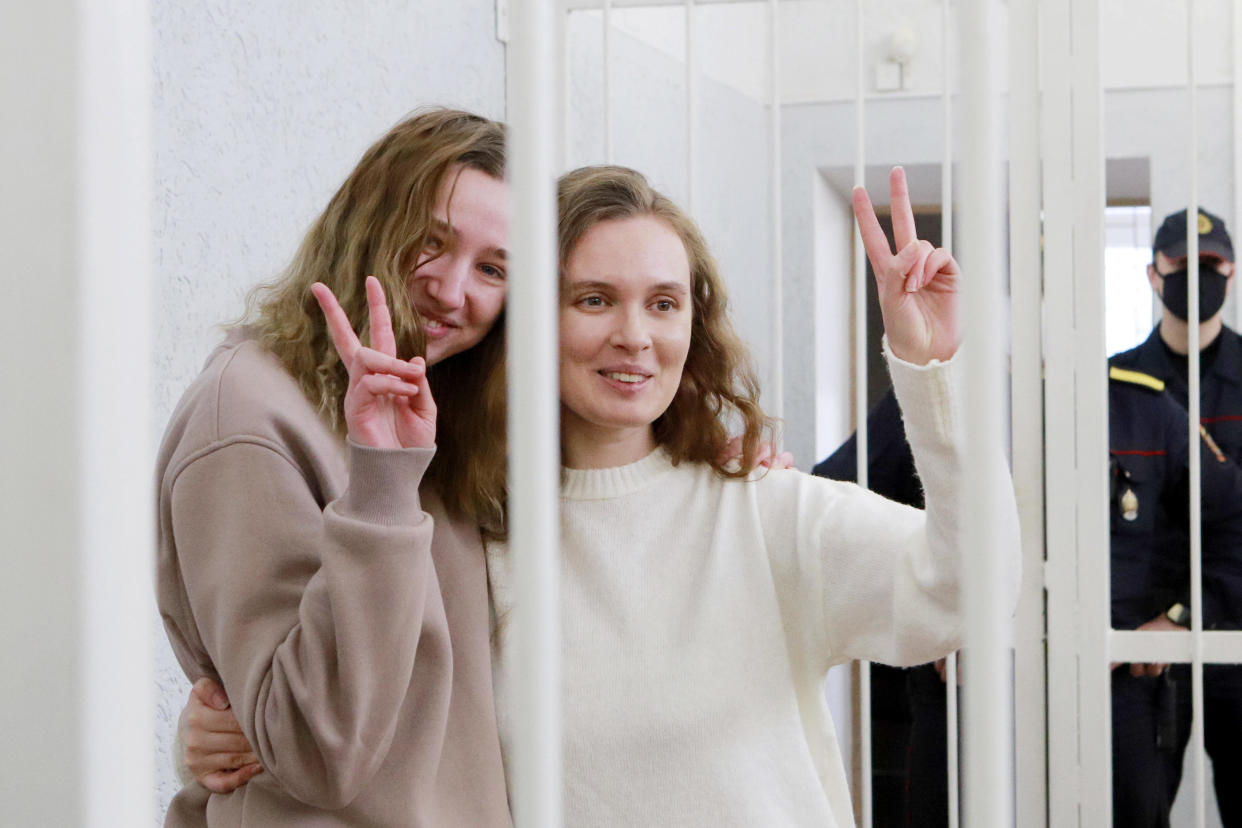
[{"x": 260, "y": 110}]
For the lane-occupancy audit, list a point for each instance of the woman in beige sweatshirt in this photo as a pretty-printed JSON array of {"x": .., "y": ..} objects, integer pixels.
[{"x": 299, "y": 490}]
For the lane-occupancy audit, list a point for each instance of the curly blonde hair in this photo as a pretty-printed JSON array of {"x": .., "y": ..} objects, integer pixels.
[
  {"x": 718, "y": 384},
  {"x": 378, "y": 223}
]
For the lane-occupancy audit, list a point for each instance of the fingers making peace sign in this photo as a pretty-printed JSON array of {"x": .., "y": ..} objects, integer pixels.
[
  {"x": 917, "y": 287},
  {"x": 388, "y": 403}
]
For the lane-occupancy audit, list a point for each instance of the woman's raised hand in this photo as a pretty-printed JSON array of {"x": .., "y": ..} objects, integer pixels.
[
  {"x": 388, "y": 403},
  {"x": 917, "y": 287}
]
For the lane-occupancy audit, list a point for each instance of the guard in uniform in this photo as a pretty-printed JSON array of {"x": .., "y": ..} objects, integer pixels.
[
  {"x": 1163, "y": 357},
  {"x": 1149, "y": 500}
]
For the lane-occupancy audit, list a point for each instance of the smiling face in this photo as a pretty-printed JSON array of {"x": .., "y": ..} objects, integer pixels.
[
  {"x": 458, "y": 282},
  {"x": 624, "y": 335}
]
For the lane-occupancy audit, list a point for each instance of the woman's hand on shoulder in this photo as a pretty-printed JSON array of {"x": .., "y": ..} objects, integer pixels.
[
  {"x": 217, "y": 753},
  {"x": 917, "y": 286},
  {"x": 767, "y": 454},
  {"x": 388, "y": 403}
]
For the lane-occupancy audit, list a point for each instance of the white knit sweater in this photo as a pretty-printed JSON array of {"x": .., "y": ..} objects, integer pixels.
[{"x": 700, "y": 616}]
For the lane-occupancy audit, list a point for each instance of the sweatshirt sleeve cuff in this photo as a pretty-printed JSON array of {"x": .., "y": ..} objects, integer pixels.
[
  {"x": 383, "y": 485},
  {"x": 930, "y": 396}
]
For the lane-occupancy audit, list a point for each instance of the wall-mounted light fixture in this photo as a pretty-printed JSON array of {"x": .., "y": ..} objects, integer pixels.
[{"x": 891, "y": 72}]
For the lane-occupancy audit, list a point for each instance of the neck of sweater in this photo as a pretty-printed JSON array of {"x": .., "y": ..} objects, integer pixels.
[{"x": 599, "y": 484}]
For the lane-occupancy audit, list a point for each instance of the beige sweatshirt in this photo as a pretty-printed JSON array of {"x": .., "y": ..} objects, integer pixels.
[{"x": 352, "y": 639}]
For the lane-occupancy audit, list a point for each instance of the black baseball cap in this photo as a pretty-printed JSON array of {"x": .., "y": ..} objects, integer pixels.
[{"x": 1213, "y": 237}]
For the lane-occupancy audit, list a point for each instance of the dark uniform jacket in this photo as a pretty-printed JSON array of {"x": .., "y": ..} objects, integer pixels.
[{"x": 1221, "y": 418}]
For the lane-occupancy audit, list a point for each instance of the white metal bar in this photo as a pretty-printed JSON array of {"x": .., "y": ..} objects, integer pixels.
[
  {"x": 1091, "y": 395},
  {"x": 946, "y": 106},
  {"x": 579, "y": 5},
  {"x": 952, "y": 742},
  {"x": 860, "y": 264},
  {"x": 114, "y": 151},
  {"x": 1026, "y": 412},
  {"x": 534, "y": 455},
  {"x": 1236, "y": 19},
  {"x": 860, "y": 405},
  {"x": 692, "y": 102},
  {"x": 1130, "y": 646},
  {"x": 987, "y": 713},
  {"x": 951, "y": 731},
  {"x": 777, "y": 380},
  {"x": 565, "y": 71},
  {"x": 607, "y": 72},
  {"x": 1194, "y": 418},
  {"x": 1059, "y": 524},
  {"x": 576, "y": 5}
]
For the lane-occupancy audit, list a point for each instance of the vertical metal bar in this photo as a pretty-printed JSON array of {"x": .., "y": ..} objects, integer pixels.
[
  {"x": 1195, "y": 417},
  {"x": 1026, "y": 411},
  {"x": 534, "y": 455},
  {"x": 607, "y": 59},
  {"x": 953, "y": 746},
  {"x": 988, "y": 791},
  {"x": 1062, "y": 552},
  {"x": 1236, "y": 16},
  {"x": 860, "y": 404},
  {"x": 692, "y": 102},
  {"x": 114, "y": 291},
  {"x": 566, "y": 76},
  {"x": 776, "y": 400},
  {"x": 946, "y": 106},
  {"x": 950, "y": 722},
  {"x": 1091, "y": 397},
  {"x": 860, "y": 265}
]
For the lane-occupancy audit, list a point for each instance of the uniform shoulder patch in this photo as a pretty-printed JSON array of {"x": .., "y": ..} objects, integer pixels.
[{"x": 1135, "y": 378}]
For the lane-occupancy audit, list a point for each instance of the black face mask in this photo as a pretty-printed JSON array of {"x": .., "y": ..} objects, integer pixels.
[{"x": 1211, "y": 292}]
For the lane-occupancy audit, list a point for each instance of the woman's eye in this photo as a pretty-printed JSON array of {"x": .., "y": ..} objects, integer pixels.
[
  {"x": 593, "y": 301},
  {"x": 665, "y": 305},
  {"x": 492, "y": 271}
]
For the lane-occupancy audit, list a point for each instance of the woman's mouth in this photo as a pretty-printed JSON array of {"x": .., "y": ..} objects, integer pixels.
[
  {"x": 621, "y": 376},
  {"x": 625, "y": 381},
  {"x": 435, "y": 327}
]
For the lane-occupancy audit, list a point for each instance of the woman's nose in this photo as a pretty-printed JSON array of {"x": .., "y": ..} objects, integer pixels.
[
  {"x": 631, "y": 332},
  {"x": 446, "y": 284}
]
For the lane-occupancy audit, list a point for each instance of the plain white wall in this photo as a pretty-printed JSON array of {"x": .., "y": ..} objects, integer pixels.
[
  {"x": 649, "y": 134},
  {"x": 260, "y": 111}
]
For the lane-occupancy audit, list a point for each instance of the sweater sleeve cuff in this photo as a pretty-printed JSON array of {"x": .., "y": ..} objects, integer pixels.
[
  {"x": 383, "y": 485},
  {"x": 930, "y": 396}
]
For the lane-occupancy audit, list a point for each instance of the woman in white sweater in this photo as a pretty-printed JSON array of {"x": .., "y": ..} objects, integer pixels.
[{"x": 703, "y": 606}]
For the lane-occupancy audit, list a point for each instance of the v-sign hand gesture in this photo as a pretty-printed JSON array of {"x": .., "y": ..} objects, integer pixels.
[
  {"x": 917, "y": 287},
  {"x": 388, "y": 403}
]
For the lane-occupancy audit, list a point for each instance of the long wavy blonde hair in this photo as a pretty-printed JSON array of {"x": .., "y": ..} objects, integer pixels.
[
  {"x": 718, "y": 387},
  {"x": 377, "y": 224}
]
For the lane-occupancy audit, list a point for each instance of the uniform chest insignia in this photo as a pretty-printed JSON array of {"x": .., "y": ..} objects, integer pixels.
[{"x": 1129, "y": 505}]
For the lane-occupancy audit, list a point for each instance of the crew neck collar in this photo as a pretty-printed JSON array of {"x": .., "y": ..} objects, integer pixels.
[{"x": 599, "y": 484}]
